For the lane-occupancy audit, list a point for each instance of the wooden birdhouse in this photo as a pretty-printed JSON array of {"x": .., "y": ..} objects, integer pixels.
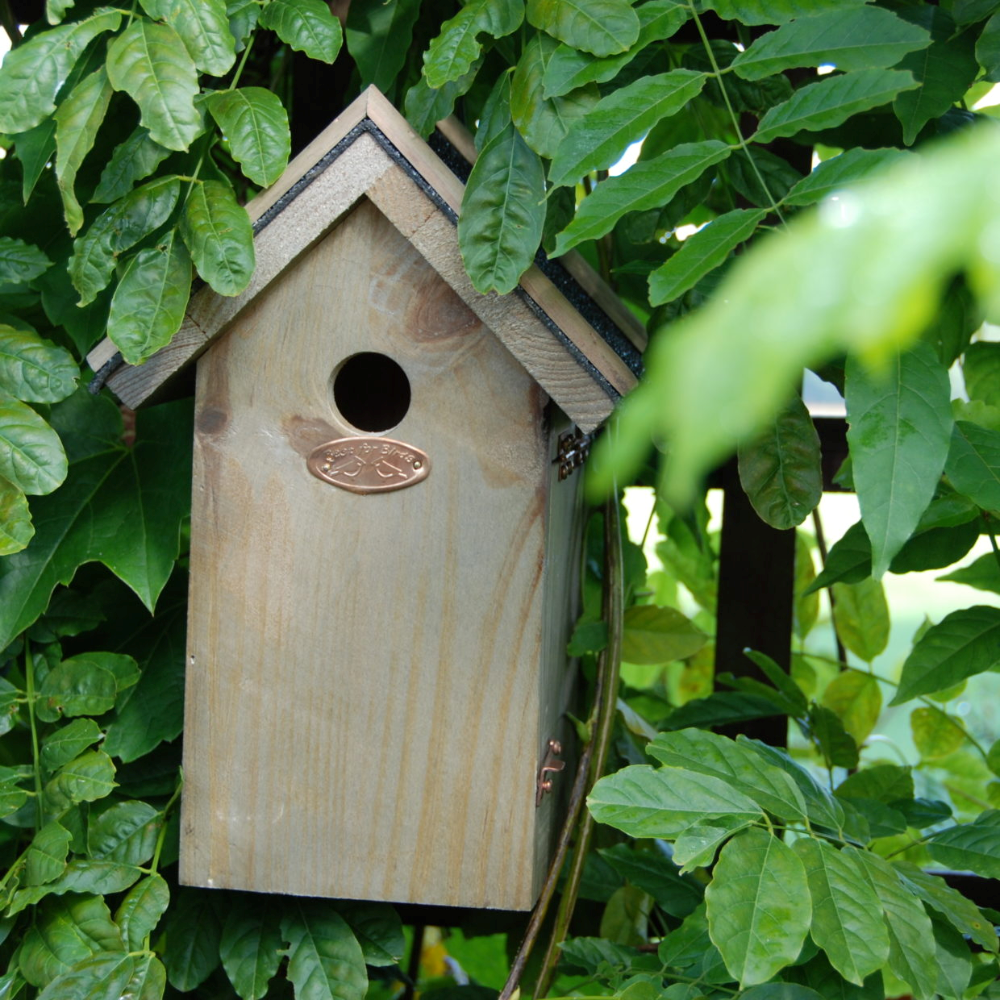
[{"x": 384, "y": 538}]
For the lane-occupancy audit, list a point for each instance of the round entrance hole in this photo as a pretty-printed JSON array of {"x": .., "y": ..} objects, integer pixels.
[{"x": 371, "y": 391}]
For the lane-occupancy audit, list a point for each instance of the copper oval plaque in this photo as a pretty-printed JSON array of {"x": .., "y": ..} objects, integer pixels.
[{"x": 369, "y": 464}]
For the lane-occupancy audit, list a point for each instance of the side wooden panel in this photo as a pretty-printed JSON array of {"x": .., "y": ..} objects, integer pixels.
[
  {"x": 363, "y": 683},
  {"x": 563, "y": 541}
]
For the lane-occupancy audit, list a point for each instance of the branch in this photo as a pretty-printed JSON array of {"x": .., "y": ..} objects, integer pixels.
[{"x": 9, "y": 24}]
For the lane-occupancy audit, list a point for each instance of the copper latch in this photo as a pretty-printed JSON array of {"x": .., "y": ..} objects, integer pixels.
[
  {"x": 551, "y": 764},
  {"x": 574, "y": 449}
]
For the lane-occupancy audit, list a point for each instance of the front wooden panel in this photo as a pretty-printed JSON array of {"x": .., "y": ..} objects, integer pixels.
[{"x": 363, "y": 671}]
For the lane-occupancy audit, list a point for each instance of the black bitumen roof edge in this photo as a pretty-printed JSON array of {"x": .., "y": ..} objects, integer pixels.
[{"x": 606, "y": 328}]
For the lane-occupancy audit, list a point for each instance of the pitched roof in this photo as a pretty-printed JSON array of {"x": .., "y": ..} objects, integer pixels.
[{"x": 562, "y": 323}]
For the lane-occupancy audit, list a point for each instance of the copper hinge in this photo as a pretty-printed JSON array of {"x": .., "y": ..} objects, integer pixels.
[
  {"x": 573, "y": 451},
  {"x": 551, "y": 764}
]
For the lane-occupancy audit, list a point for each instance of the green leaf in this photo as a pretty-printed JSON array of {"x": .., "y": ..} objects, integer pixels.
[
  {"x": 502, "y": 216},
  {"x": 325, "y": 961},
  {"x": 831, "y": 738},
  {"x": 46, "y": 855},
  {"x": 701, "y": 253},
  {"x": 65, "y": 932},
  {"x": 378, "y": 929},
  {"x": 68, "y": 741},
  {"x": 372, "y": 33},
  {"x": 656, "y": 874},
  {"x": 954, "y": 961},
  {"x": 151, "y": 298},
  {"x": 849, "y": 559},
  {"x": 35, "y": 149},
  {"x": 838, "y": 172},
  {"x": 570, "y": 68},
  {"x": 16, "y": 530},
  {"x": 117, "y": 229},
  {"x": 779, "y": 471},
  {"x": 193, "y": 934},
  {"x": 453, "y": 52},
  {"x": 601, "y": 27},
  {"x": 981, "y": 372},
  {"x": 134, "y": 159},
  {"x": 20, "y": 262},
  {"x": 900, "y": 426},
  {"x": 77, "y": 120},
  {"x": 960, "y": 912},
  {"x": 141, "y": 909},
  {"x": 217, "y": 231},
  {"x": 963, "y": 643},
  {"x": 774, "y": 11},
  {"x": 856, "y": 699},
  {"x": 861, "y": 616},
  {"x": 255, "y": 124},
  {"x": 973, "y": 847},
  {"x": 910, "y": 929},
  {"x": 251, "y": 949},
  {"x": 945, "y": 71},
  {"x": 983, "y": 574},
  {"x": 32, "y": 73},
  {"x": 862, "y": 38},
  {"x": 846, "y": 921},
  {"x": 104, "y": 975},
  {"x": 544, "y": 122},
  {"x": 150, "y": 63},
  {"x": 821, "y": 806},
  {"x": 81, "y": 876},
  {"x": 598, "y": 140},
  {"x": 883, "y": 782},
  {"x": 76, "y": 687},
  {"x": 644, "y": 802},
  {"x": 125, "y": 833},
  {"x": 780, "y": 991},
  {"x": 306, "y": 25},
  {"x": 658, "y": 635},
  {"x": 203, "y": 27},
  {"x": 88, "y": 778},
  {"x": 830, "y": 101},
  {"x": 120, "y": 507},
  {"x": 155, "y": 710},
  {"x": 696, "y": 846},
  {"x": 31, "y": 455},
  {"x": 425, "y": 106},
  {"x": 647, "y": 184},
  {"x": 733, "y": 763},
  {"x": 35, "y": 370},
  {"x": 789, "y": 691},
  {"x": 243, "y": 16},
  {"x": 988, "y": 48},
  {"x": 149, "y": 979},
  {"x": 935, "y": 733},
  {"x": 973, "y": 464},
  {"x": 758, "y": 906}
]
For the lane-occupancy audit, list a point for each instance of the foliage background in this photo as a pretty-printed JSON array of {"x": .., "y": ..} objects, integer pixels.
[{"x": 134, "y": 134}]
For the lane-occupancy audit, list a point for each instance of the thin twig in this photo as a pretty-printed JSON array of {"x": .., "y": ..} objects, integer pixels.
[
  {"x": 552, "y": 878},
  {"x": 821, "y": 545},
  {"x": 413, "y": 965},
  {"x": 606, "y": 706}
]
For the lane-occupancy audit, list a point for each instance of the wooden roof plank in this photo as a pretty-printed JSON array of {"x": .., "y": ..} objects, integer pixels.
[{"x": 559, "y": 346}]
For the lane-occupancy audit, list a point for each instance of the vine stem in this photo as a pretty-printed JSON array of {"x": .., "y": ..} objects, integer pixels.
[
  {"x": 160, "y": 837},
  {"x": 717, "y": 73},
  {"x": 36, "y": 761},
  {"x": 9, "y": 23},
  {"x": 605, "y": 706}
]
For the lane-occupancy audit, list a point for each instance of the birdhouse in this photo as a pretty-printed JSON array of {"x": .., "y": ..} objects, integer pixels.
[{"x": 384, "y": 538}]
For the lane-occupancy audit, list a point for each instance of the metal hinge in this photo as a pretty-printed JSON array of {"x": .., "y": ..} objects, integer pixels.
[
  {"x": 573, "y": 451},
  {"x": 551, "y": 764}
]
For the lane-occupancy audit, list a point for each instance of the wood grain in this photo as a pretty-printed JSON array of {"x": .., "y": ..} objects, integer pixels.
[{"x": 366, "y": 706}]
